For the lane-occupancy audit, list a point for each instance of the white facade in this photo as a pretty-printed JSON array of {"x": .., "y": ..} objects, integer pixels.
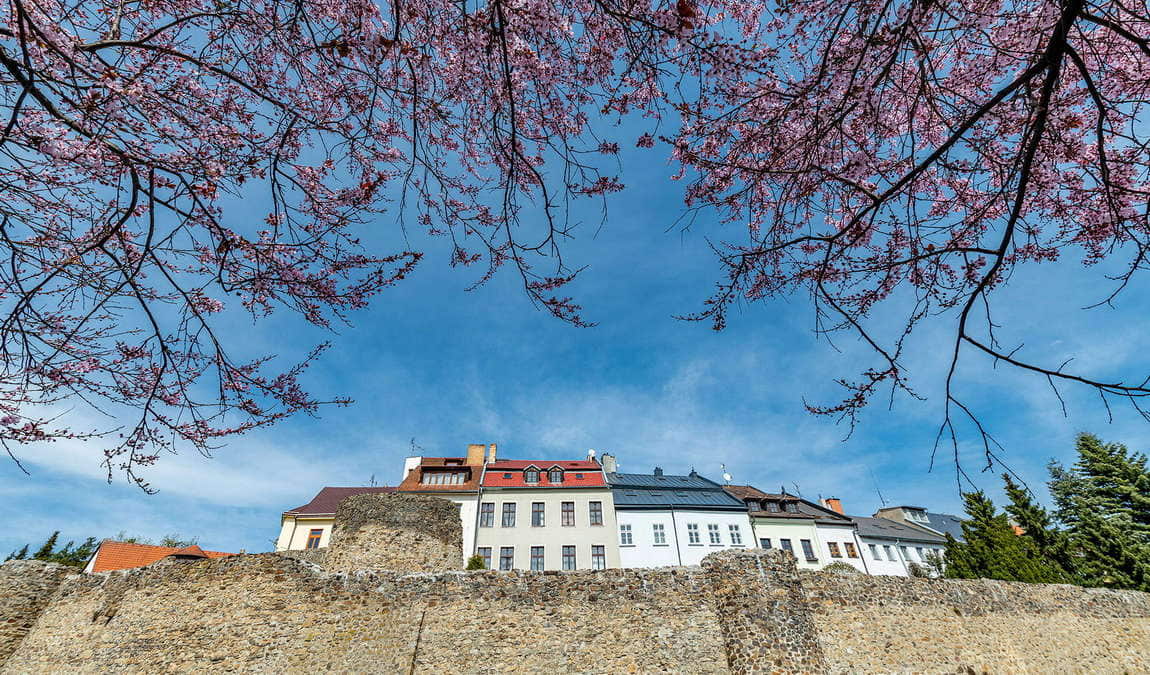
[
  {"x": 841, "y": 540},
  {"x": 295, "y": 531},
  {"x": 523, "y": 538},
  {"x": 892, "y": 557},
  {"x": 663, "y": 537}
]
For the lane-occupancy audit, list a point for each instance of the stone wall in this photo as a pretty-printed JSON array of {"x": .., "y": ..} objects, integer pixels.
[
  {"x": 268, "y": 613},
  {"x": 400, "y": 532},
  {"x": 893, "y": 624},
  {"x": 26, "y": 586}
]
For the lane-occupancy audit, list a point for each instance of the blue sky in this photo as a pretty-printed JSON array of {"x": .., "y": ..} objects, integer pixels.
[{"x": 447, "y": 367}]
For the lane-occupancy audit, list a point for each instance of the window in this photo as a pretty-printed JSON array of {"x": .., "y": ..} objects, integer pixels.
[
  {"x": 313, "y": 538},
  {"x": 598, "y": 557},
  {"x": 693, "y": 534},
  {"x": 792, "y": 507},
  {"x": 660, "y": 534},
  {"x": 874, "y": 552},
  {"x": 487, "y": 514},
  {"x": 555, "y": 475},
  {"x": 852, "y": 552},
  {"x": 785, "y": 544},
  {"x": 889, "y": 552},
  {"x": 765, "y": 542},
  {"x": 713, "y": 534},
  {"x": 443, "y": 477},
  {"x": 531, "y": 475},
  {"x": 773, "y": 507},
  {"x": 568, "y": 557},
  {"x": 921, "y": 555},
  {"x": 506, "y": 557},
  {"x": 808, "y": 550},
  {"x": 536, "y": 558},
  {"x": 736, "y": 535},
  {"x": 508, "y": 514},
  {"x": 905, "y": 552},
  {"x": 625, "y": 535},
  {"x": 537, "y": 514},
  {"x": 834, "y": 549},
  {"x": 507, "y": 476},
  {"x": 568, "y": 514},
  {"x": 578, "y": 476},
  {"x": 485, "y": 553},
  {"x": 596, "y": 513}
]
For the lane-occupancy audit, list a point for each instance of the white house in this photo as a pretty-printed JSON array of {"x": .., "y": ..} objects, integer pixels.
[
  {"x": 892, "y": 547},
  {"x": 674, "y": 520}
]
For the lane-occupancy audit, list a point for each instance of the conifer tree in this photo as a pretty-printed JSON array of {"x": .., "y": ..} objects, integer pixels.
[
  {"x": 1038, "y": 526},
  {"x": 45, "y": 552},
  {"x": 992, "y": 550},
  {"x": 18, "y": 555}
]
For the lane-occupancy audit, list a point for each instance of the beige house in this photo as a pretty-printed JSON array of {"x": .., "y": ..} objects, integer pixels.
[
  {"x": 546, "y": 515},
  {"x": 309, "y": 526}
]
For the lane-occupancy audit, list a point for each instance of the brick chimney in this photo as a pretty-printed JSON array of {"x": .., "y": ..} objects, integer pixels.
[
  {"x": 834, "y": 504},
  {"x": 475, "y": 454},
  {"x": 491, "y": 453}
]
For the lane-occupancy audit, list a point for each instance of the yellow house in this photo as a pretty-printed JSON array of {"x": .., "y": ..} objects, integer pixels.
[{"x": 309, "y": 526}]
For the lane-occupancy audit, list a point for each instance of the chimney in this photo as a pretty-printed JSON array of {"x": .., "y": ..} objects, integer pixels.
[
  {"x": 491, "y": 453},
  {"x": 658, "y": 471},
  {"x": 608, "y": 461},
  {"x": 834, "y": 504},
  {"x": 475, "y": 454}
]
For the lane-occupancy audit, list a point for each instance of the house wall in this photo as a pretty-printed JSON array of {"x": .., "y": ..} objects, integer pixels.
[
  {"x": 552, "y": 536},
  {"x": 882, "y": 565},
  {"x": 841, "y": 535},
  {"x": 678, "y": 549},
  {"x": 294, "y": 532},
  {"x": 795, "y": 530}
]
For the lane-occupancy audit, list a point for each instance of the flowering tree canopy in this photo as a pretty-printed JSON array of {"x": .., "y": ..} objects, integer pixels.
[{"x": 868, "y": 149}]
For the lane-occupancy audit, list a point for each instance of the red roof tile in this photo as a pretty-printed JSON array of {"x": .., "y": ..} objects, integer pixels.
[
  {"x": 121, "y": 555},
  {"x": 413, "y": 481},
  {"x": 576, "y": 474},
  {"x": 325, "y": 503}
]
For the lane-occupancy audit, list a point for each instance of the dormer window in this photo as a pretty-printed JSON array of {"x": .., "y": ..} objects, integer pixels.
[
  {"x": 555, "y": 475},
  {"x": 792, "y": 507},
  {"x": 773, "y": 507},
  {"x": 531, "y": 475},
  {"x": 443, "y": 477}
]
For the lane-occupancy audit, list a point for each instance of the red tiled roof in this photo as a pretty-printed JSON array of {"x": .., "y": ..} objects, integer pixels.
[
  {"x": 510, "y": 474},
  {"x": 325, "y": 503},
  {"x": 121, "y": 555}
]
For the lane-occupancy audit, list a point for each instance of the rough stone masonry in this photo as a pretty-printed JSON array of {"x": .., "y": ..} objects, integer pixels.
[{"x": 403, "y": 611}]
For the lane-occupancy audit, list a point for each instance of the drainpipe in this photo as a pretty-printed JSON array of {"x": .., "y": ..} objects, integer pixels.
[
  {"x": 862, "y": 553},
  {"x": 675, "y": 531},
  {"x": 478, "y": 506}
]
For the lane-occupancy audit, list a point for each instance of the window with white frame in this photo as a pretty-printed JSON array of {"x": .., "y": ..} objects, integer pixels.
[
  {"x": 537, "y": 514},
  {"x": 625, "y": 535},
  {"x": 506, "y": 557},
  {"x": 874, "y": 551},
  {"x": 595, "y": 510},
  {"x": 485, "y": 553},
  {"x": 508, "y": 514},
  {"x": 531, "y": 475},
  {"x": 833, "y": 547},
  {"x": 537, "y": 558},
  {"x": 568, "y": 512},
  {"x": 736, "y": 534},
  {"x": 852, "y": 552},
  {"x": 764, "y": 542},
  {"x": 555, "y": 475},
  {"x": 714, "y": 534},
  {"x": 487, "y": 514},
  {"x": 568, "y": 557},
  {"x": 598, "y": 557},
  {"x": 809, "y": 550},
  {"x": 693, "y": 534},
  {"x": 889, "y": 552},
  {"x": 659, "y": 533}
]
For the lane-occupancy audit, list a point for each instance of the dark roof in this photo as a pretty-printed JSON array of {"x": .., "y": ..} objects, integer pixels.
[
  {"x": 945, "y": 523},
  {"x": 807, "y": 510},
  {"x": 884, "y": 528},
  {"x": 325, "y": 503},
  {"x": 644, "y": 490}
]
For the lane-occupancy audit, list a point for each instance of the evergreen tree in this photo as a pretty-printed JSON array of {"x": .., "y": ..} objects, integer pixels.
[
  {"x": 1037, "y": 526},
  {"x": 45, "y": 552},
  {"x": 18, "y": 555},
  {"x": 992, "y": 550}
]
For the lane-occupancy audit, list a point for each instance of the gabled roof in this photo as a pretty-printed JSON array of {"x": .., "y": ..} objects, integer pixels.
[
  {"x": 576, "y": 474},
  {"x": 121, "y": 555},
  {"x": 750, "y": 492},
  {"x": 945, "y": 523},
  {"x": 884, "y": 528},
  {"x": 654, "y": 491},
  {"x": 328, "y": 499}
]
